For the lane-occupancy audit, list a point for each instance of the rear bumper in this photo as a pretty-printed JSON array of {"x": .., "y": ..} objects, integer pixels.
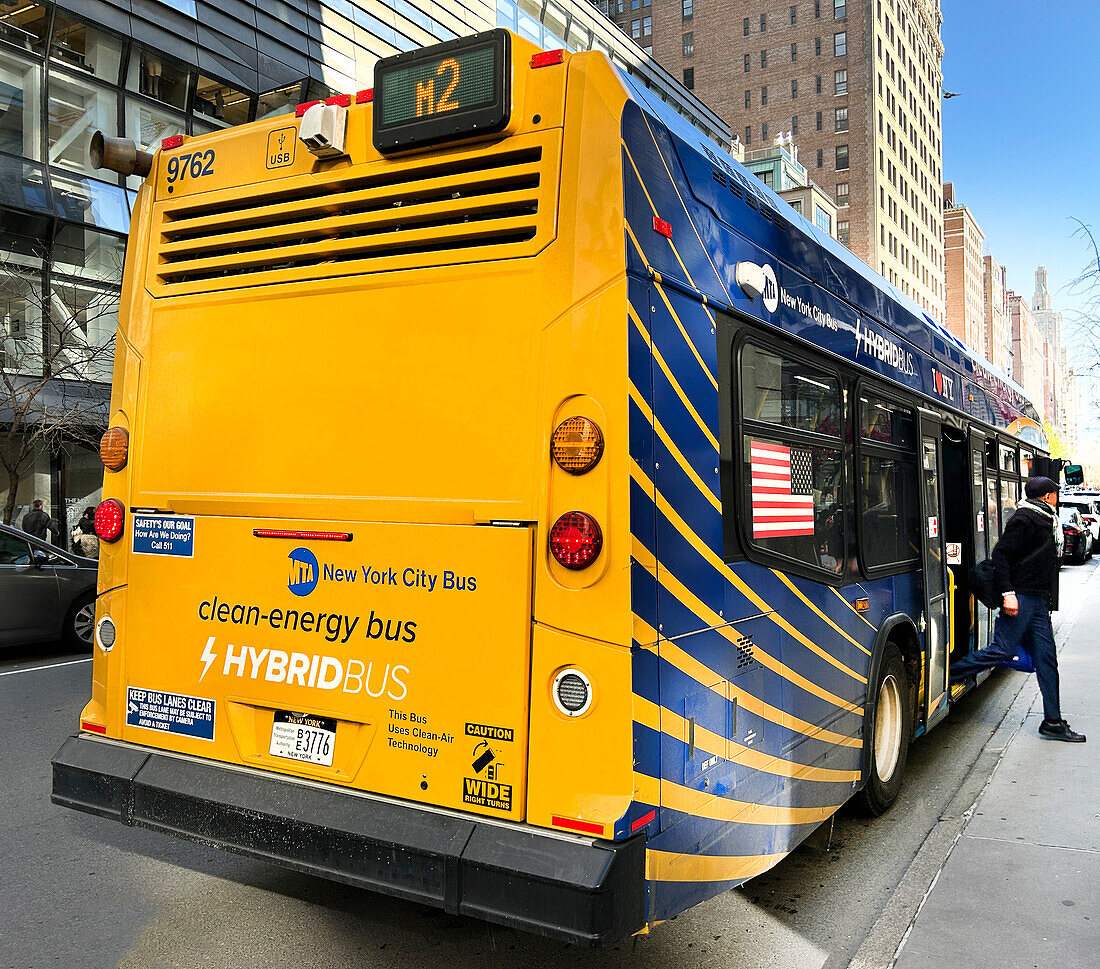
[{"x": 579, "y": 890}]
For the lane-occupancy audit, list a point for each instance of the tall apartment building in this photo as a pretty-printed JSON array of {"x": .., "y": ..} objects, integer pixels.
[
  {"x": 1027, "y": 349},
  {"x": 859, "y": 87},
  {"x": 1063, "y": 415},
  {"x": 997, "y": 323},
  {"x": 962, "y": 253}
]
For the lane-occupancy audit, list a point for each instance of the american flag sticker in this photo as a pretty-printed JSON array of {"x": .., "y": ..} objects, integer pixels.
[{"x": 782, "y": 490}]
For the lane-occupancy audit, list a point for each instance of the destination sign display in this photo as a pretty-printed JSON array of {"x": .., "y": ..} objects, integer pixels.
[{"x": 447, "y": 92}]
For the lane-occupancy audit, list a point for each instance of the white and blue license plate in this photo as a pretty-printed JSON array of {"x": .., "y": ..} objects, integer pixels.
[{"x": 303, "y": 736}]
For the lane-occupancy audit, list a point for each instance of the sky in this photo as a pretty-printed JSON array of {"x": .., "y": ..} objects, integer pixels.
[{"x": 1021, "y": 142}]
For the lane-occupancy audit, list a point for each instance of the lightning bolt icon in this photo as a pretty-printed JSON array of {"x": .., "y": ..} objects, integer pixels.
[{"x": 208, "y": 657}]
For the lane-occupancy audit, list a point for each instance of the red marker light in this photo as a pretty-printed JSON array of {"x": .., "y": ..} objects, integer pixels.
[
  {"x": 576, "y": 540},
  {"x": 293, "y": 533},
  {"x": 92, "y": 727},
  {"x": 344, "y": 100},
  {"x": 548, "y": 58},
  {"x": 643, "y": 821},
  {"x": 365, "y": 97},
  {"x": 663, "y": 227},
  {"x": 303, "y": 108},
  {"x": 109, "y": 519},
  {"x": 174, "y": 142}
]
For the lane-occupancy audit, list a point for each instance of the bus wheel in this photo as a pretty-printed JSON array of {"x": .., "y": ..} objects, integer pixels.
[
  {"x": 80, "y": 623},
  {"x": 887, "y": 740}
]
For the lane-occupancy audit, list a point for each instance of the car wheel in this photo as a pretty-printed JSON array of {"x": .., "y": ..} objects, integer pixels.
[
  {"x": 888, "y": 735},
  {"x": 80, "y": 623}
]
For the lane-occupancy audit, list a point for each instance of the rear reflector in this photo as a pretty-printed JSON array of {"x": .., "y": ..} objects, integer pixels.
[
  {"x": 301, "y": 109},
  {"x": 173, "y": 142},
  {"x": 663, "y": 227},
  {"x": 643, "y": 820},
  {"x": 315, "y": 536},
  {"x": 344, "y": 100},
  {"x": 575, "y": 824},
  {"x": 92, "y": 727},
  {"x": 365, "y": 97}
]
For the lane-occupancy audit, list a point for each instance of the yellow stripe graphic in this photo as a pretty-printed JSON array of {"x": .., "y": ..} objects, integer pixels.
[
  {"x": 671, "y": 867},
  {"x": 790, "y": 585},
  {"x": 855, "y": 610},
  {"x": 684, "y": 334}
]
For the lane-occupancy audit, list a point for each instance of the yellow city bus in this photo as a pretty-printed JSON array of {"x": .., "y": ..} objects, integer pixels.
[{"x": 480, "y": 523}]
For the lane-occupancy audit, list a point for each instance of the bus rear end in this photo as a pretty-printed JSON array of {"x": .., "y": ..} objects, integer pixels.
[{"x": 359, "y": 610}]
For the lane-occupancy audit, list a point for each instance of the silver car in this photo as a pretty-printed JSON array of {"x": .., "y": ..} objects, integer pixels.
[{"x": 46, "y": 593}]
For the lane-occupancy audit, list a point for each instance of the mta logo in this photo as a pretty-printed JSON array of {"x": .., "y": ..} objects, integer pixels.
[{"x": 303, "y": 572}]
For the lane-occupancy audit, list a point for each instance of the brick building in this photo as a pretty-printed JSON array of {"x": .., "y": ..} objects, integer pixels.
[
  {"x": 997, "y": 322},
  {"x": 857, "y": 84},
  {"x": 962, "y": 251}
]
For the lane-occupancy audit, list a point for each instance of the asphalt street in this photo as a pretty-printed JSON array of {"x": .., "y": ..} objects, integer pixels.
[{"x": 83, "y": 891}]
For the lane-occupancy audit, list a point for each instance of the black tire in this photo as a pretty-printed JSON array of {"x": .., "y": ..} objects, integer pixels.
[
  {"x": 893, "y": 719},
  {"x": 78, "y": 632}
]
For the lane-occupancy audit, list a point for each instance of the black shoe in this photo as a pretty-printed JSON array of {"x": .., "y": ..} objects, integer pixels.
[{"x": 1060, "y": 730}]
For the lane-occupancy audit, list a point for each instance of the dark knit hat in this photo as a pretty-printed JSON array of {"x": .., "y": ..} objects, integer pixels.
[{"x": 1037, "y": 487}]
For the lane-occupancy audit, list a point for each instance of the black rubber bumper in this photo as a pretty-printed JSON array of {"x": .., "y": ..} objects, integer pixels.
[{"x": 582, "y": 891}]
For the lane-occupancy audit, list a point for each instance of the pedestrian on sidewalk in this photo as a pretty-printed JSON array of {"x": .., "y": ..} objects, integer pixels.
[
  {"x": 36, "y": 522},
  {"x": 1026, "y": 560}
]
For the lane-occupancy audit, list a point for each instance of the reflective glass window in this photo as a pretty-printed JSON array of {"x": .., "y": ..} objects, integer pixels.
[
  {"x": 889, "y": 510},
  {"x": 83, "y": 322},
  {"x": 992, "y": 515},
  {"x": 147, "y": 125},
  {"x": 1008, "y": 459},
  {"x": 158, "y": 77},
  {"x": 786, "y": 392},
  {"x": 24, "y": 24},
  {"x": 220, "y": 104},
  {"x": 77, "y": 109},
  {"x": 20, "y": 319},
  {"x": 20, "y": 107},
  {"x": 85, "y": 48},
  {"x": 14, "y": 551},
  {"x": 885, "y": 422},
  {"x": 88, "y": 253},
  {"x": 1008, "y": 500}
]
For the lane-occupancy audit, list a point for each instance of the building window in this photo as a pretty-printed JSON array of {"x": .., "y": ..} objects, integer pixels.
[
  {"x": 823, "y": 220},
  {"x": 840, "y": 119},
  {"x": 765, "y": 176},
  {"x": 763, "y": 23},
  {"x": 689, "y": 44},
  {"x": 818, "y": 120},
  {"x": 794, "y": 15},
  {"x": 820, "y": 157},
  {"x": 748, "y": 135},
  {"x": 796, "y": 204},
  {"x": 21, "y": 122},
  {"x": 763, "y": 96},
  {"x": 688, "y": 12},
  {"x": 794, "y": 124},
  {"x": 840, "y": 44},
  {"x": 841, "y": 194},
  {"x": 763, "y": 58},
  {"x": 817, "y": 47},
  {"x": 817, "y": 9},
  {"x": 794, "y": 90},
  {"x": 842, "y": 231},
  {"x": 817, "y": 84},
  {"x": 841, "y": 158},
  {"x": 159, "y": 78},
  {"x": 794, "y": 53},
  {"x": 748, "y": 99},
  {"x": 839, "y": 10},
  {"x": 764, "y": 133},
  {"x": 689, "y": 78},
  {"x": 635, "y": 29},
  {"x": 746, "y": 63},
  {"x": 647, "y": 25},
  {"x": 840, "y": 81},
  {"x": 745, "y": 26}
]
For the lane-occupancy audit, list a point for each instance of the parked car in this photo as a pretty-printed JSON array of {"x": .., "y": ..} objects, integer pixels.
[
  {"x": 47, "y": 593},
  {"x": 1090, "y": 512},
  {"x": 1078, "y": 538}
]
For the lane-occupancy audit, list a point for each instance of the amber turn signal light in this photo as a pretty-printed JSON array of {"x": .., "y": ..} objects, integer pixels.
[
  {"x": 114, "y": 448},
  {"x": 577, "y": 445}
]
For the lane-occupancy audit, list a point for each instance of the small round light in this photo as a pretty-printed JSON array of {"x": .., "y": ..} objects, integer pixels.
[
  {"x": 114, "y": 448},
  {"x": 576, "y": 540},
  {"x": 572, "y": 692},
  {"x": 577, "y": 445},
  {"x": 109, "y": 518},
  {"x": 105, "y": 634}
]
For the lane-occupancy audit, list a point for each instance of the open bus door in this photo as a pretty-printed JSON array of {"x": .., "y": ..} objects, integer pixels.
[{"x": 936, "y": 620}]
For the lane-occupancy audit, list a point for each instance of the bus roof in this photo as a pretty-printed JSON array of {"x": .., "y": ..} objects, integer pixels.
[{"x": 954, "y": 351}]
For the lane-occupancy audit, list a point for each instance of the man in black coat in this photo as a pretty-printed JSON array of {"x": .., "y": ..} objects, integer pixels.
[
  {"x": 1026, "y": 560},
  {"x": 36, "y": 522}
]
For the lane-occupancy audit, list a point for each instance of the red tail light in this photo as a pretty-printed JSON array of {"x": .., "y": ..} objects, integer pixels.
[
  {"x": 1069, "y": 529},
  {"x": 109, "y": 519},
  {"x": 576, "y": 540}
]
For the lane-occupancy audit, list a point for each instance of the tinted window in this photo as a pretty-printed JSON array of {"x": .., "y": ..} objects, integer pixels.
[
  {"x": 888, "y": 508},
  {"x": 13, "y": 551},
  {"x": 992, "y": 517},
  {"x": 1008, "y": 459},
  {"x": 885, "y": 423},
  {"x": 1008, "y": 500},
  {"x": 781, "y": 391},
  {"x": 794, "y": 500}
]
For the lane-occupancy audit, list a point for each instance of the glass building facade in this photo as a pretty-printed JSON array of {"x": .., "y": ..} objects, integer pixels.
[{"x": 148, "y": 69}]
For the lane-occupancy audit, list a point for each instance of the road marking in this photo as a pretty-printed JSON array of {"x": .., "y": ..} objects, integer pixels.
[{"x": 51, "y": 666}]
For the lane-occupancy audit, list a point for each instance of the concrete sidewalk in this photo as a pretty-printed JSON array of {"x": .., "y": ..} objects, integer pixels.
[{"x": 1021, "y": 886}]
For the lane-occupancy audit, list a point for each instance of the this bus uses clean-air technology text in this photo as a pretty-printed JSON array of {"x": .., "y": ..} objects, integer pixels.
[{"x": 512, "y": 506}]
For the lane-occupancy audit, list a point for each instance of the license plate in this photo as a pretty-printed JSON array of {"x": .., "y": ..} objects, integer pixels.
[{"x": 302, "y": 736}]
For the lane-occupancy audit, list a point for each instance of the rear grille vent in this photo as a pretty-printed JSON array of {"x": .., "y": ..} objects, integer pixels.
[
  {"x": 408, "y": 214},
  {"x": 746, "y": 653}
]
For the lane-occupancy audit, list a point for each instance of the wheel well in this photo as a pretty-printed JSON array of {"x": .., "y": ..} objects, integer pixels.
[{"x": 904, "y": 636}]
